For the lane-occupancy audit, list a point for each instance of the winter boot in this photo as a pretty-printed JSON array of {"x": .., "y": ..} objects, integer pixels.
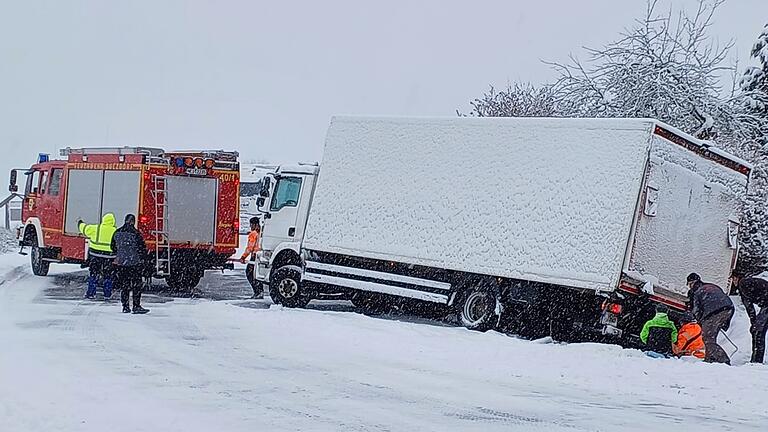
[
  {"x": 138, "y": 310},
  {"x": 126, "y": 309}
]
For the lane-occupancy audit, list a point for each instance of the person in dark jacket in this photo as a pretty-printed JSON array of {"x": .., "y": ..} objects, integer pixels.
[
  {"x": 754, "y": 291},
  {"x": 713, "y": 309},
  {"x": 130, "y": 252}
]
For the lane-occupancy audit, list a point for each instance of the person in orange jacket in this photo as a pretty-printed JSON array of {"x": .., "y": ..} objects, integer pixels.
[
  {"x": 689, "y": 339},
  {"x": 250, "y": 252}
]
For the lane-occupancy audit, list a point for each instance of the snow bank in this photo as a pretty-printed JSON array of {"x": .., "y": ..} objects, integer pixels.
[{"x": 550, "y": 200}]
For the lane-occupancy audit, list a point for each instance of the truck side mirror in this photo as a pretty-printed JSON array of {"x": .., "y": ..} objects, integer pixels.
[
  {"x": 265, "y": 184},
  {"x": 12, "y": 186},
  {"x": 260, "y": 201}
]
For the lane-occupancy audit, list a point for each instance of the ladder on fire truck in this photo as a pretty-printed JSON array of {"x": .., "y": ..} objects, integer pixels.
[{"x": 162, "y": 239}]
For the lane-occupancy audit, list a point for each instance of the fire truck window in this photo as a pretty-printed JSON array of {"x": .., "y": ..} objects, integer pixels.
[
  {"x": 33, "y": 186},
  {"x": 43, "y": 182},
  {"x": 55, "y": 186}
]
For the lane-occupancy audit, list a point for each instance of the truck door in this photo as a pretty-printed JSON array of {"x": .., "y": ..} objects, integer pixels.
[
  {"x": 283, "y": 210},
  {"x": 50, "y": 203}
]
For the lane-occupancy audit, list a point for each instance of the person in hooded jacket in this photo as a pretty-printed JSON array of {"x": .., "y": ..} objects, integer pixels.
[
  {"x": 659, "y": 333},
  {"x": 754, "y": 292},
  {"x": 130, "y": 253},
  {"x": 713, "y": 310},
  {"x": 100, "y": 254}
]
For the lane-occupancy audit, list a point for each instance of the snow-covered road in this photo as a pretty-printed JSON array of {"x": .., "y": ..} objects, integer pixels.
[{"x": 237, "y": 365}]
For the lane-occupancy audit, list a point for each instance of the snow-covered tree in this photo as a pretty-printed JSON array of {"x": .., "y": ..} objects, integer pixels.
[
  {"x": 517, "y": 100},
  {"x": 753, "y": 109},
  {"x": 665, "y": 67}
]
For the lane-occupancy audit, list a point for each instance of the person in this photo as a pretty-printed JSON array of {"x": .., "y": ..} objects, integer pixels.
[
  {"x": 754, "y": 292},
  {"x": 100, "y": 254},
  {"x": 130, "y": 253},
  {"x": 713, "y": 310},
  {"x": 689, "y": 338},
  {"x": 250, "y": 251},
  {"x": 659, "y": 333}
]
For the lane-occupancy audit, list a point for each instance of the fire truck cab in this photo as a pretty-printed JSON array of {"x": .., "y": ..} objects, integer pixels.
[{"x": 186, "y": 207}]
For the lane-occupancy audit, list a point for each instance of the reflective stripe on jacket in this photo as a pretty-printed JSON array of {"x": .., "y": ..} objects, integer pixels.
[
  {"x": 689, "y": 341},
  {"x": 100, "y": 236}
]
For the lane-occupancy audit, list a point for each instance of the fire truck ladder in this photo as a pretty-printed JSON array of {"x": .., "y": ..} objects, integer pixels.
[{"x": 162, "y": 240}]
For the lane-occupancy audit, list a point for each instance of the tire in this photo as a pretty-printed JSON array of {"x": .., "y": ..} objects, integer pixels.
[
  {"x": 39, "y": 266},
  {"x": 285, "y": 288},
  {"x": 477, "y": 310}
]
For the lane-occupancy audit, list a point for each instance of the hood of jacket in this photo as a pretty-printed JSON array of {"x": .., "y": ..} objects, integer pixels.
[{"x": 108, "y": 220}]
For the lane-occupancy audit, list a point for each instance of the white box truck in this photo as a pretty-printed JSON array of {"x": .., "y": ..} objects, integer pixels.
[{"x": 571, "y": 227}]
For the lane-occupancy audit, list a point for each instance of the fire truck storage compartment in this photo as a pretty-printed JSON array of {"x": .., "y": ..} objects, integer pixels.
[
  {"x": 192, "y": 202},
  {"x": 94, "y": 193}
]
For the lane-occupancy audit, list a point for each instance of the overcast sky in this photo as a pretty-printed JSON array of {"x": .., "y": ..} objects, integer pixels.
[{"x": 264, "y": 78}]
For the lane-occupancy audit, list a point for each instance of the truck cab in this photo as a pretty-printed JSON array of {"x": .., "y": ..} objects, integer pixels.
[{"x": 285, "y": 199}]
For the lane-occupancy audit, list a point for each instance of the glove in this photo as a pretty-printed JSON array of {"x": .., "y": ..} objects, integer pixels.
[{"x": 80, "y": 222}]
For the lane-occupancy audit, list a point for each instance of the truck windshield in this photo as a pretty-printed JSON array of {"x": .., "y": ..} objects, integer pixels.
[{"x": 286, "y": 193}]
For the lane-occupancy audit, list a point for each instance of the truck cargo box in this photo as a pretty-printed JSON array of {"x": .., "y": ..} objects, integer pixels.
[{"x": 558, "y": 201}]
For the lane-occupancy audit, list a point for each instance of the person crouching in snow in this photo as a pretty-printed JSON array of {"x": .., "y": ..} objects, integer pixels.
[
  {"x": 689, "y": 339},
  {"x": 250, "y": 252},
  {"x": 659, "y": 334}
]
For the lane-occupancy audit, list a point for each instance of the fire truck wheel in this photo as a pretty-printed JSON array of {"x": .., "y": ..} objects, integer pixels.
[
  {"x": 285, "y": 288},
  {"x": 39, "y": 266}
]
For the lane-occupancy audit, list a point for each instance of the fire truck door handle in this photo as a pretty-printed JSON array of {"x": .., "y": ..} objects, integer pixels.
[{"x": 291, "y": 231}]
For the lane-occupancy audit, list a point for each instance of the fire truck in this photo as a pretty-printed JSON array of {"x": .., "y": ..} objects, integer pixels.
[{"x": 186, "y": 205}]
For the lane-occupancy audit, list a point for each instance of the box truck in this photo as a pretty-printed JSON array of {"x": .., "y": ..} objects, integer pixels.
[{"x": 569, "y": 227}]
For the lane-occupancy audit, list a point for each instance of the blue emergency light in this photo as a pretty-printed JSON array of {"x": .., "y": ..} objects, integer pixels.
[{"x": 42, "y": 157}]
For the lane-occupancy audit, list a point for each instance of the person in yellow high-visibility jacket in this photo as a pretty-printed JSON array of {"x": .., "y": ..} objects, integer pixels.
[{"x": 100, "y": 255}]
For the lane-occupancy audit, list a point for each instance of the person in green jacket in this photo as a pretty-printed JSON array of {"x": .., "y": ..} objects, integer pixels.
[
  {"x": 659, "y": 333},
  {"x": 100, "y": 255}
]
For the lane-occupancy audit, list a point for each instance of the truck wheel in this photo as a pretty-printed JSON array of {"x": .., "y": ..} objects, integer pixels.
[
  {"x": 40, "y": 267},
  {"x": 477, "y": 310},
  {"x": 285, "y": 288}
]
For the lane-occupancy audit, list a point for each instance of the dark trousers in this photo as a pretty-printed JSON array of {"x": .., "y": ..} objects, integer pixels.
[
  {"x": 129, "y": 279},
  {"x": 710, "y": 327},
  {"x": 758, "y": 336},
  {"x": 255, "y": 284},
  {"x": 100, "y": 273}
]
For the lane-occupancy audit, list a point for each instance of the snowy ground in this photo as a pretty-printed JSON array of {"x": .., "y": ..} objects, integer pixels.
[{"x": 224, "y": 363}]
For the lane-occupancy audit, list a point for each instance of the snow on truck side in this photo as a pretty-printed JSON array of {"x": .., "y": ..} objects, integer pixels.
[{"x": 535, "y": 219}]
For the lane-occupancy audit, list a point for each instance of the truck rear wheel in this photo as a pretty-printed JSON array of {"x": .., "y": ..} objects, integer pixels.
[
  {"x": 285, "y": 288},
  {"x": 477, "y": 310},
  {"x": 40, "y": 267}
]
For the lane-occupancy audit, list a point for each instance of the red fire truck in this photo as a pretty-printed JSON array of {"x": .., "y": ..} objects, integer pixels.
[{"x": 186, "y": 205}]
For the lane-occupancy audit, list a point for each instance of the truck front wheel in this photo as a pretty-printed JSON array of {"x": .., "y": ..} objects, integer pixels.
[
  {"x": 285, "y": 288},
  {"x": 40, "y": 267},
  {"x": 477, "y": 310}
]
